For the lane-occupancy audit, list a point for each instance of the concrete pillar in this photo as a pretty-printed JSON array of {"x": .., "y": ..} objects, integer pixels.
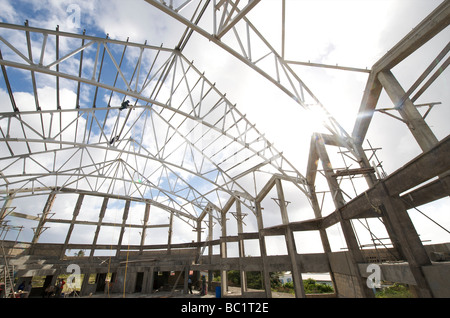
[
  {"x": 147, "y": 284},
  {"x": 323, "y": 233},
  {"x": 263, "y": 250},
  {"x": 122, "y": 229},
  {"x": 371, "y": 180},
  {"x": 223, "y": 254},
  {"x": 199, "y": 248},
  {"x": 169, "y": 235},
  {"x": 199, "y": 239},
  {"x": 6, "y": 206},
  {"x": 240, "y": 228},
  {"x": 416, "y": 124},
  {"x": 99, "y": 224},
  {"x": 144, "y": 227},
  {"x": 54, "y": 278},
  {"x": 210, "y": 252},
  {"x": 186, "y": 278},
  {"x": 40, "y": 227},
  {"x": 76, "y": 211},
  {"x": 410, "y": 244},
  {"x": 354, "y": 253},
  {"x": 290, "y": 242},
  {"x": 84, "y": 284}
]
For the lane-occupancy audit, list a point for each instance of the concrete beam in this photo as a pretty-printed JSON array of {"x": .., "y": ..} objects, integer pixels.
[
  {"x": 434, "y": 23},
  {"x": 431, "y": 25},
  {"x": 429, "y": 192},
  {"x": 266, "y": 189},
  {"x": 424, "y": 167}
]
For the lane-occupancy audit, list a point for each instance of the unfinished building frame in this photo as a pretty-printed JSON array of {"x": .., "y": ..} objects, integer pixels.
[{"x": 183, "y": 147}]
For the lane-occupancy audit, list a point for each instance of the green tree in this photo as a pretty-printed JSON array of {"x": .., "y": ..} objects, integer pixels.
[
  {"x": 312, "y": 287},
  {"x": 394, "y": 291},
  {"x": 80, "y": 253},
  {"x": 254, "y": 280},
  {"x": 234, "y": 278},
  {"x": 275, "y": 280}
]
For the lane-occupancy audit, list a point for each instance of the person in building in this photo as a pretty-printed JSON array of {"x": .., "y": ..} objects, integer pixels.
[
  {"x": 125, "y": 105},
  {"x": 203, "y": 291},
  {"x": 190, "y": 284}
]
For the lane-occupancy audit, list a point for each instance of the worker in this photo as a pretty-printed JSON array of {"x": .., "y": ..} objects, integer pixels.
[
  {"x": 114, "y": 140},
  {"x": 125, "y": 105},
  {"x": 21, "y": 286},
  {"x": 190, "y": 284},
  {"x": 28, "y": 290},
  {"x": 203, "y": 292}
]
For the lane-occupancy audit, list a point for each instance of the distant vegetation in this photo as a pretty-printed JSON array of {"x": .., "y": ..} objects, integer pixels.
[
  {"x": 254, "y": 281},
  {"x": 394, "y": 291},
  {"x": 310, "y": 285}
]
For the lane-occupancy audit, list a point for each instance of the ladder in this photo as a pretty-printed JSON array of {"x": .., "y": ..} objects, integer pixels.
[
  {"x": 7, "y": 271},
  {"x": 7, "y": 277}
]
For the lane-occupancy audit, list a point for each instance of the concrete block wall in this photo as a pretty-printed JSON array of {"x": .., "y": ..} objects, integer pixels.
[
  {"x": 438, "y": 278},
  {"x": 345, "y": 286}
]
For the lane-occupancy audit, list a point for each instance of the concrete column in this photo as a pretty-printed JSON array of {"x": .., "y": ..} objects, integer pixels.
[
  {"x": 323, "y": 233},
  {"x": 99, "y": 225},
  {"x": 122, "y": 230},
  {"x": 186, "y": 278},
  {"x": 144, "y": 227},
  {"x": 199, "y": 239},
  {"x": 409, "y": 241},
  {"x": 147, "y": 283},
  {"x": 241, "y": 247},
  {"x": 355, "y": 255},
  {"x": 371, "y": 180},
  {"x": 40, "y": 226},
  {"x": 223, "y": 254},
  {"x": 416, "y": 124},
  {"x": 290, "y": 242},
  {"x": 263, "y": 250},
  {"x": 6, "y": 206},
  {"x": 210, "y": 252},
  {"x": 199, "y": 248},
  {"x": 56, "y": 273},
  {"x": 76, "y": 211},
  {"x": 84, "y": 283},
  {"x": 126, "y": 280},
  {"x": 169, "y": 235}
]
